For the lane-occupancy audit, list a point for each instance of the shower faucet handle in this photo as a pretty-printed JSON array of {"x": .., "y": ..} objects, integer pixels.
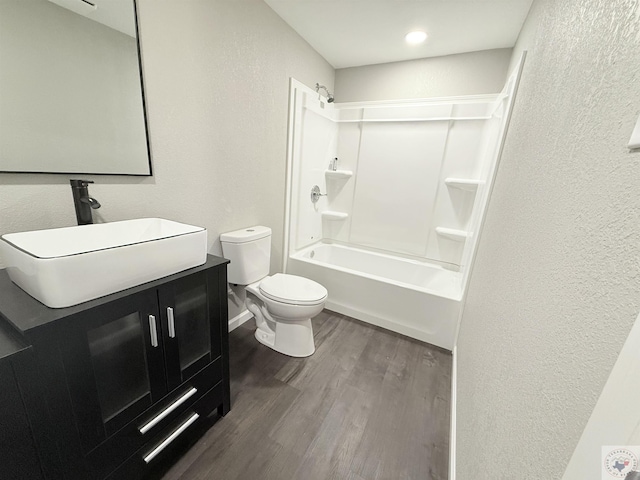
[{"x": 315, "y": 194}]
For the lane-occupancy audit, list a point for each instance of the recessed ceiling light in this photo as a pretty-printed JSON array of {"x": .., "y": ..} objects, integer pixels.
[{"x": 415, "y": 37}]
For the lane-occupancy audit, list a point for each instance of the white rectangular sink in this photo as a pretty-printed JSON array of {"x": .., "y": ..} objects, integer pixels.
[{"x": 62, "y": 267}]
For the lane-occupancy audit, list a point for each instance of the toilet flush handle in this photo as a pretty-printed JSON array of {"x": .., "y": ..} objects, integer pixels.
[{"x": 315, "y": 194}]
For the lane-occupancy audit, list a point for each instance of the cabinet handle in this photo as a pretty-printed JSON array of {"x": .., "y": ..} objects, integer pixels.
[
  {"x": 172, "y": 323},
  {"x": 155, "y": 420},
  {"x": 153, "y": 330},
  {"x": 165, "y": 443}
]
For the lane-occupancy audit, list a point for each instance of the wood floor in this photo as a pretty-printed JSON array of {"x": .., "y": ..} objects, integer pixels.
[{"x": 369, "y": 404}]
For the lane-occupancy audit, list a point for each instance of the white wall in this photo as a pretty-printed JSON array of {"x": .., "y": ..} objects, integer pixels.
[
  {"x": 556, "y": 283},
  {"x": 400, "y": 155},
  {"x": 217, "y": 77},
  {"x": 451, "y": 75},
  {"x": 396, "y": 184},
  {"x": 314, "y": 144}
]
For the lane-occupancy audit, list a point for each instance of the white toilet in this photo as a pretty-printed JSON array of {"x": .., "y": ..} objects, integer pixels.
[{"x": 282, "y": 304}]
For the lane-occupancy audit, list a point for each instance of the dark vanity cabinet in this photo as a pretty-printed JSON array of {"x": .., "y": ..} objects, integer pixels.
[
  {"x": 19, "y": 452},
  {"x": 127, "y": 376}
]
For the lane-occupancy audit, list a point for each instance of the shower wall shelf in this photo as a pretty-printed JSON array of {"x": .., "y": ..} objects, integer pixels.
[
  {"x": 468, "y": 184},
  {"x": 338, "y": 173},
  {"x": 328, "y": 215},
  {"x": 452, "y": 234}
]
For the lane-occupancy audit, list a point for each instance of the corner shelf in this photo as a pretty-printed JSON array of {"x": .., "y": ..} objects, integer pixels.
[
  {"x": 328, "y": 215},
  {"x": 467, "y": 184},
  {"x": 338, "y": 173},
  {"x": 452, "y": 234}
]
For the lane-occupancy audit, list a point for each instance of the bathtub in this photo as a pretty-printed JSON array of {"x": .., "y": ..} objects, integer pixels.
[{"x": 414, "y": 298}]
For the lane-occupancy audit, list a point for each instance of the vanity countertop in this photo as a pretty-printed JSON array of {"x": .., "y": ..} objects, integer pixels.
[
  {"x": 10, "y": 344},
  {"x": 25, "y": 313}
]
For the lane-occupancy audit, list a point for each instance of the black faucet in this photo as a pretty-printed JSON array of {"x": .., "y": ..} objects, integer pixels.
[{"x": 82, "y": 201}]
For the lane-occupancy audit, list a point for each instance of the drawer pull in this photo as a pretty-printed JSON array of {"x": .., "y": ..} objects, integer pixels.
[
  {"x": 172, "y": 323},
  {"x": 165, "y": 443},
  {"x": 158, "y": 418},
  {"x": 153, "y": 330}
]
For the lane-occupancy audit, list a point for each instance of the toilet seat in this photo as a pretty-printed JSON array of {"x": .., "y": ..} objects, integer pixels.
[{"x": 292, "y": 290}]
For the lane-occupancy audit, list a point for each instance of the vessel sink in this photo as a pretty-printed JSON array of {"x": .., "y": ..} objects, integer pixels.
[{"x": 62, "y": 267}]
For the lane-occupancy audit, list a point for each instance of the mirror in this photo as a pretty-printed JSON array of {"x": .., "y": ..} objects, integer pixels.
[{"x": 71, "y": 98}]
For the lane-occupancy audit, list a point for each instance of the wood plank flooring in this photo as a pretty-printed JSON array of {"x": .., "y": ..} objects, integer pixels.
[{"x": 369, "y": 404}]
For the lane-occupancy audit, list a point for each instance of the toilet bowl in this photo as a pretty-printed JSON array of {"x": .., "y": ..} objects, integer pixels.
[{"x": 281, "y": 304}]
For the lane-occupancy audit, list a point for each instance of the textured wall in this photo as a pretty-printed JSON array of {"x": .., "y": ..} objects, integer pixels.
[
  {"x": 464, "y": 74},
  {"x": 217, "y": 78},
  {"x": 556, "y": 284}
]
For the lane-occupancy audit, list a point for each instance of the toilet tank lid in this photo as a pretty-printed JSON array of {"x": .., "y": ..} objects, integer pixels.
[{"x": 244, "y": 235}]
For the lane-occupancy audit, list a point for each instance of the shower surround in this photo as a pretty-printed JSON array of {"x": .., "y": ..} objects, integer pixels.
[{"x": 393, "y": 239}]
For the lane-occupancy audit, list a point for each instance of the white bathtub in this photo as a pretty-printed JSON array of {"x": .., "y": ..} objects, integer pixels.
[{"x": 415, "y": 298}]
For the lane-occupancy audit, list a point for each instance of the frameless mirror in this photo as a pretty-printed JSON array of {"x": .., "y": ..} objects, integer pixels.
[{"x": 71, "y": 98}]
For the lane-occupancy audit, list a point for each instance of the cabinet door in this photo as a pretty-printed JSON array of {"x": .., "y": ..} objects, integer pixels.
[
  {"x": 114, "y": 364},
  {"x": 19, "y": 454},
  {"x": 190, "y": 323}
]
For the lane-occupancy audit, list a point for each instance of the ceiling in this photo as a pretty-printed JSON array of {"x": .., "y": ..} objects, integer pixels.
[{"x": 349, "y": 33}]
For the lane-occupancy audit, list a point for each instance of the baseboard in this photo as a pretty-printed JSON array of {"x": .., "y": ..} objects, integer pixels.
[
  {"x": 452, "y": 432},
  {"x": 422, "y": 335},
  {"x": 239, "y": 319}
]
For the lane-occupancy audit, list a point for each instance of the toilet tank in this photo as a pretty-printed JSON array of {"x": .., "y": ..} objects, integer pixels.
[{"x": 249, "y": 251}]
